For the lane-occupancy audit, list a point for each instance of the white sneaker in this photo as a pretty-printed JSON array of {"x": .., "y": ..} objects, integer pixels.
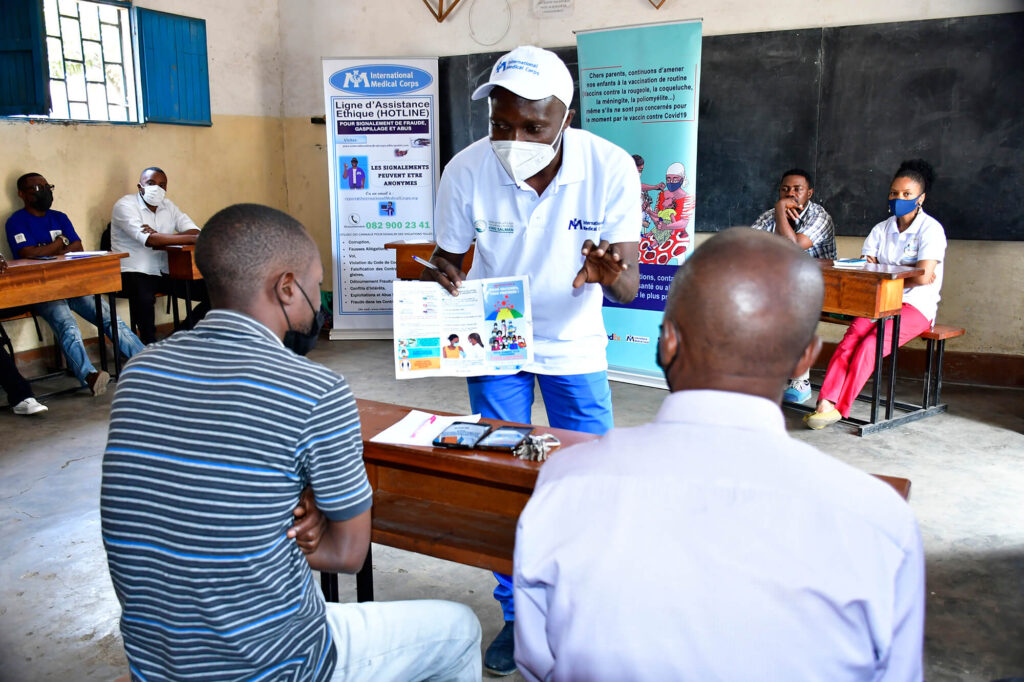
[
  {"x": 30, "y": 406},
  {"x": 799, "y": 391}
]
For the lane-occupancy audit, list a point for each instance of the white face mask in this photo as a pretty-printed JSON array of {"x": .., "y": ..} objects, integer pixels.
[
  {"x": 522, "y": 160},
  {"x": 153, "y": 194}
]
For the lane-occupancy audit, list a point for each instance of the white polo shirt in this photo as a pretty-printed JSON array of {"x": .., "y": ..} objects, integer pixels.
[
  {"x": 595, "y": 195},
  {"x": 129, "y": 215},
  {"x": 923, "y": 240}
]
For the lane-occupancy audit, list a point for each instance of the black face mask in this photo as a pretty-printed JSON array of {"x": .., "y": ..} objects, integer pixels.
[
  {"x": 657, "y": 356},
  {"x": 42, "y": 200},
  {"x": 301, "y": 342}
]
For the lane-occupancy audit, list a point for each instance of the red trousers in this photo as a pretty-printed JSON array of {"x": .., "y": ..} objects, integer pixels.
[{"x": 854, "y": 360}]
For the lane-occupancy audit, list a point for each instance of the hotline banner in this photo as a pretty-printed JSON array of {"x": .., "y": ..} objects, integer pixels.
[
  {"x": 639, "y": 88},
  {"x": 383, "y": 169}
]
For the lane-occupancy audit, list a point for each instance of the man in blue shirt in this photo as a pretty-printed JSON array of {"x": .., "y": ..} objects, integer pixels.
[
  {"x": 356, "y": 176},
  {"x": 36, "y": 231}
]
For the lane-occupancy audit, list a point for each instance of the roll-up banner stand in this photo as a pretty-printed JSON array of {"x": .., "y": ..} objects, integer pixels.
[
  {"x": 639, "y": 89},
  {"x": 383, "y": 165}
]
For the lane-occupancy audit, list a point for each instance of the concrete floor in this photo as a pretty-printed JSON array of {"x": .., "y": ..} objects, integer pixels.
[{"x": 58, "y": 613}]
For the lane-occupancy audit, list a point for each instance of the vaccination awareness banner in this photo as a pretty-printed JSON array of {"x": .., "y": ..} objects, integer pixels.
[
  {"x": 382, "y": 161},
  {"x": 639, "y": 89}
]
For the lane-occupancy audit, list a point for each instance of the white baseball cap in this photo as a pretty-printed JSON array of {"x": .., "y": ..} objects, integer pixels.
[{"x": 532, "y": 73}]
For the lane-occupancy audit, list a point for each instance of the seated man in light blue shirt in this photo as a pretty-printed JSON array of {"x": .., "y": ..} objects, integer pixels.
[{"x": 721, "y": 548}]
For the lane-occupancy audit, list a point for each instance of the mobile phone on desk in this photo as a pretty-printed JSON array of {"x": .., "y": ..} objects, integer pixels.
[
  {"x": 505, "y": 438},
  {"x": 43, "y": 258},
  {"x": 461, "y": 435}
]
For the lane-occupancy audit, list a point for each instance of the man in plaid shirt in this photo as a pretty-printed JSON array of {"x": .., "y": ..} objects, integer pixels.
[
  {"x": 807, "y": 225},
  {"x": 799, "y": 219}
]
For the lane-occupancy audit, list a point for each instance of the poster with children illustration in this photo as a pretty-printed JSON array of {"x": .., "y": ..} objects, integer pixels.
[{"x": 486, "y": 329}]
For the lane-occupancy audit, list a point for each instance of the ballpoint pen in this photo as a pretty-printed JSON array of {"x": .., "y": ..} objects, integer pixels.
[
  {"x": 425, "y": 263},
  {"x": 430, "y": 420}
]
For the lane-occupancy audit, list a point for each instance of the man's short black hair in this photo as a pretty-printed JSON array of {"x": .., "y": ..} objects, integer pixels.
[
  {"x": 638, "y": 160},
  {"x": 242, "y": 244},
  {"x": 155, "y": 169},
  {"x": 23, "y": 180},
  {"x": 355, "y": 161},
  {"x": 802, "y": 173}
]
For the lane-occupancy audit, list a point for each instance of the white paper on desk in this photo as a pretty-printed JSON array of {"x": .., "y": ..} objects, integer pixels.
[
  {"x": 84, "y": 254},
  {"x": 419, "y": 428}
]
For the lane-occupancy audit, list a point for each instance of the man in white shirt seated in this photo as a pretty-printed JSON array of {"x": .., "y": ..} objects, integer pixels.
[
  {"x": 141, "y": 224},
  {"x": 708, "y": 544}
]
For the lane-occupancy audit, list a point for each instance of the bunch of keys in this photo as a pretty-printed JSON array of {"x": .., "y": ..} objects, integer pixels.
[{"x": 536, "y": 448}]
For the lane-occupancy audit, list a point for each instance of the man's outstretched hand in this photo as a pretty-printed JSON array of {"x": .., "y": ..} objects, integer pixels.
[{"x": 603, "y": 265}]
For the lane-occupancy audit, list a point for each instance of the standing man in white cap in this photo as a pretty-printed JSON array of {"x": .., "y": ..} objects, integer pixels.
[{"x": 562, "y": 206}]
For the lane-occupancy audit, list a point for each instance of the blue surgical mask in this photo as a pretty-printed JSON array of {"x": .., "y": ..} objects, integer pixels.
[
  {"x": 673, "y": 186},
  {"x": 901, "y": 207}
]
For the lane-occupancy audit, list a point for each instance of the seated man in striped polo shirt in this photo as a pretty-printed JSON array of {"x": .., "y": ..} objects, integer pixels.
[{"x": 214, "y": 434}]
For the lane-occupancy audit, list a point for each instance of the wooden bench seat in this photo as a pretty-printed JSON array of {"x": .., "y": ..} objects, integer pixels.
[
  {"x": 936, "y": 338},
  {"x": 941, "y": 332},
  {"x": 936, "y": 348}
]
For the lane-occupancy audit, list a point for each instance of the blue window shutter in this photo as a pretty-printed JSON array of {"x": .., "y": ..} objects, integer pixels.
[
  {"x": 173, "y": 68},
  {"x": 24, "y": 74}
]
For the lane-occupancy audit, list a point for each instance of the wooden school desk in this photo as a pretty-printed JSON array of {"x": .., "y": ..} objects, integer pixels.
[
  {"x": 29, "y": 281},
  {"x": 874, "y": 291},
  {"x": 407, "y": 268},
  {"x": 181, "y": 265},
  {"x": 459, "y": 505}
]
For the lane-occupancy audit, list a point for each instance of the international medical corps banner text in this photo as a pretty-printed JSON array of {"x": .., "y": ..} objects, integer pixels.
[
  {"x": 382, "y": 160},
  {"x": 639, "y": 89}
]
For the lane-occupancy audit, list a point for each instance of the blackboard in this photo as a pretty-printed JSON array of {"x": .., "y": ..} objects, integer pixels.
[
  {"x": 949, "y": 91},
  {"x": 757, "y": 118},
  {"x": 848, "y": 104}
]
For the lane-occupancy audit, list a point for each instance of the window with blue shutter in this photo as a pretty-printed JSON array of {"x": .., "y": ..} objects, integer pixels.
[
  {"x": 173, "y": 68},
  {"x": 23, "y": 73}
]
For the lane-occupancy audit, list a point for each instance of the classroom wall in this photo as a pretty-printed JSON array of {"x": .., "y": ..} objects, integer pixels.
[
  {"x": 264, "y": 58},
  {"x": 239, "y": 158},
  {"x": 979, "y": 275}
]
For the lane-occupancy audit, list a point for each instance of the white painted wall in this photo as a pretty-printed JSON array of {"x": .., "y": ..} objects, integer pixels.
[{"x": 311, "y": 29}]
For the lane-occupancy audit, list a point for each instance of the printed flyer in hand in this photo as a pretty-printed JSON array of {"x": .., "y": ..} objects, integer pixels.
[{"x": 486, "y": 329}]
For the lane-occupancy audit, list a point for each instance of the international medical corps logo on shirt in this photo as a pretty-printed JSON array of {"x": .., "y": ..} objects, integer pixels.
[
  {"x": 585, "y": 225},
  {"x": 479, "y": 226}
]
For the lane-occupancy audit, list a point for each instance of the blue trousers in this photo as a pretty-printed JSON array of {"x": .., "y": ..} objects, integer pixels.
[
  {"x": 58, "y": 315},
  {"x": 579, "y": 402}
]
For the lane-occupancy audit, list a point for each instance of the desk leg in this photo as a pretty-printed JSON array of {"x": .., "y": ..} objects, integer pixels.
[
  {"x": 98, "y": 299},
  {"x": 892, "y": 366},
  {"x": 329, "y": 585},
  {"x": 174, "y": 304},
  {"x": 876, "y": 389},
  {"x": 113, "y": 333},
  {"x": 188, "y": 300},
  {"x": 926, "y": 398},
  {"x": 938, "y": 371},
  {"x": 364, "y": 578}
]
